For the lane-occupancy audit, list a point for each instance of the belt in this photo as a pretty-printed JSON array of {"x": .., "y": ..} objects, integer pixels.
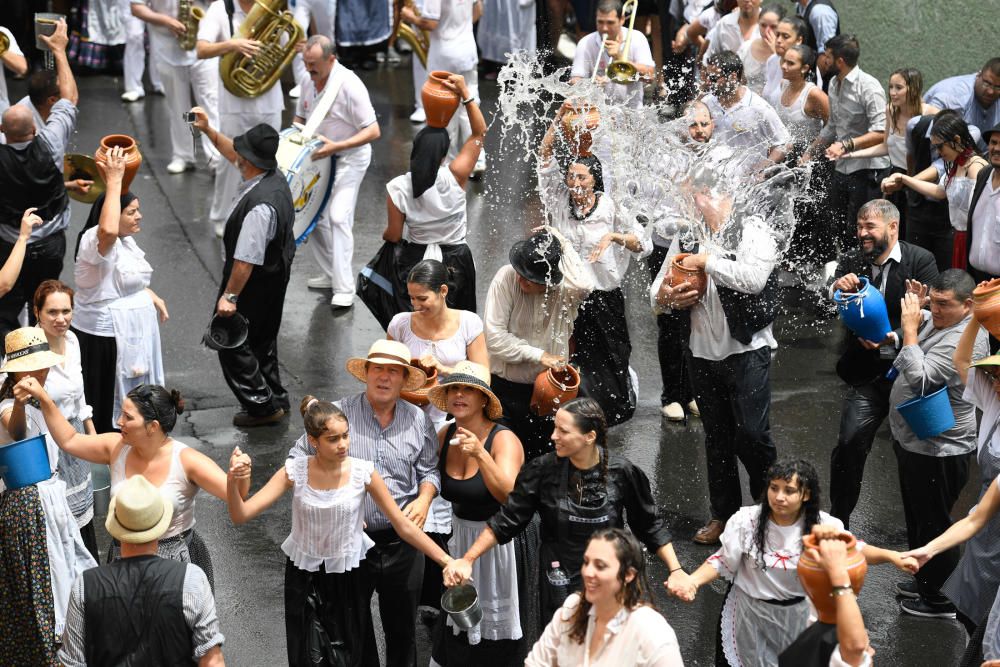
[
  {"x": 384, "y": 537},
  {"x": 785, "y": 603}
]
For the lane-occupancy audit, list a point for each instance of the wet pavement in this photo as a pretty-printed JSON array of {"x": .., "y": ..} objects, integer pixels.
[{"x": 315, "y": 343}]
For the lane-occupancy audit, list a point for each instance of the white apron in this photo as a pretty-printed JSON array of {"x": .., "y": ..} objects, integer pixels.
[{"x": 137, "y": 336}]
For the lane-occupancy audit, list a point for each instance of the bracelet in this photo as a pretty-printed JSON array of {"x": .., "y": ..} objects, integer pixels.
[
  {"x": 675, "y": 569},
  {"x": 841, "y": 590},
  {"x": 468, "y": 101}
]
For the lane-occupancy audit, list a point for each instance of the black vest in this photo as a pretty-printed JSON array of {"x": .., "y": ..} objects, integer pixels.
[
  {"x": 812, "y": 648},
  {"x": 922, "y": 158},
  {"x": 134, "y": 613},
  {"x": 985, "y": 174},
  {"x": 810, "y": 38},
  {"x": 30, "y": 178}
]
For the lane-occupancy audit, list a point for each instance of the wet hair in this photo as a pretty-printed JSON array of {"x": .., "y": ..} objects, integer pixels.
[
  {"x": 808, "y": 479},
  {"x": 156, "y": 403},
  {"x": 914, "y": 104},
  {"x": 47, "y": 287},
  {"x": 588, "y": 416},
  {"x": 883, "y": 209},
  {"x": 633, "y": 593},
  {"x": 800, "y": 27},
  {"x": 429, "y": 273},
  {"x": 992, "y": 66},
  {"x": 808, "y": 57},
  {"x": 316, "y": 413},
  {"x": 595, "y": 168},
  {"x": 608, "y": 6},
  {"x": 728, "y": 63},
  {"x": 956, "y": 281},
  {"x": 845, "y": 46},
  {"x": 949, "y": 124},
  {"x": 773, "y": 8},
  {"x": 326, "y": 45},
  {"x": 42, "y": 85}
]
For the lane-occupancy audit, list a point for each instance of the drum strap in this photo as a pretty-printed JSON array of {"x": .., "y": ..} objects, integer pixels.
[{"x": 326, "y": 101}]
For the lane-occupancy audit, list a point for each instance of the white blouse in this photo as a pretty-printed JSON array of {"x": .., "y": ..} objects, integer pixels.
[
  {"x": 783, "y": 547},
  {"x": 640, "y": 638},
  {"x": 327, "y": 525},
  {"x": 436, "y": 216},
  {"x": 64, "y": 383},
  {"x": 177, "y": 488},
  {"x": 101, "y": 280}
]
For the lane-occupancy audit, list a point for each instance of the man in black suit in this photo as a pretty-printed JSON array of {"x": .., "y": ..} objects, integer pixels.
[{"x": 889, "y": 264}]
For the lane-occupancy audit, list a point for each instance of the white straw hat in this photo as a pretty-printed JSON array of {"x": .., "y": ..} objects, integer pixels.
[
  {"x": 388, "y": 353},
  {"x": 138, "y": 513}
]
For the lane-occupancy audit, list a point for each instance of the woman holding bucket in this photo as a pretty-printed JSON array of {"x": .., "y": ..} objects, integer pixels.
[{"x": 323, "y": 583}]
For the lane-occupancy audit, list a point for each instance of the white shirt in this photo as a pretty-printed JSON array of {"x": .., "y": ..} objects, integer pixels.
[
  {"x": 64, "y": 383},
  {"x": 727, "y": 35},
  {"x": 436, "y": 216},
  {"x": 15, "y": 50},
  {"x": 985, "y": 252},
  {"x": 162, "y": 41},
  {"x": 453, "y": 44},
  {"x": 591, "y": 47},
  {"x": 979, "y": 392},
  {"x": 215, "y": 28},
  {"x": 351, "y": 112},
  {"x": 751, "y": 125},
  {"x": 100, "y": 280}
]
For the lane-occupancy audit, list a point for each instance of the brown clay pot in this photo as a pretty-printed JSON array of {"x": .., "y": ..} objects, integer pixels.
[
  {"x": 680, "y": 274},
  {"x": 133, "y": 158},
  {"x": 553, "y": 389},
  {"x": 816, "y": 582},
  {"x": 419, "y": 396},
  {"x": 986, "y": 306},
  {"x": 577, "y": 125},
  {"x": 440, "y": 103}
]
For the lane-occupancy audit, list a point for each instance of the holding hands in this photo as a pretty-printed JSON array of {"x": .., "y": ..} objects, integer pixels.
[
  {"x": 457, "y": 571},
  {"x": 682, "y": 586},
  {"x": 239, "y": 465}
]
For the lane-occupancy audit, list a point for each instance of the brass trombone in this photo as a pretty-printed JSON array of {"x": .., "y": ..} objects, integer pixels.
[{"x": 620, "y": 70}]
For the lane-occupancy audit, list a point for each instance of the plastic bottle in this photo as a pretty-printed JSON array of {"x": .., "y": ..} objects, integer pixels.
[{"x": 558, "y": 583}]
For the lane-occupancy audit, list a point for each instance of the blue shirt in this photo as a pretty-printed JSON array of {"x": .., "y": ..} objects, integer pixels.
[
  {"x": 957, "y": 92},
  {"x": 823, "y": 22}
]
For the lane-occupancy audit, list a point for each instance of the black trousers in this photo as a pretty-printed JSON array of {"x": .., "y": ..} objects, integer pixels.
[
  {"x": 929, "y": 227},
  {"x": 395, "y": 570},
  {"x": 99, "y": 360},
  {"x": 334, "y": 602},
  {"x": 848, "y": 193},
  {"x": 673, "y": 332},
  {"x": 864, "y": 409},
  {"x": 43, "y": 260},
  {"x": 251, "y": 370},
  {"x": 734, "y": 396},
  {"x": 930, "y": 485},
  {"x": 534, "y": 432}
]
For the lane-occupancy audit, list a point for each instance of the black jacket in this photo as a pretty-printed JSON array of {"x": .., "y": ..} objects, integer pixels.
[{"x": 857, "y": 365}]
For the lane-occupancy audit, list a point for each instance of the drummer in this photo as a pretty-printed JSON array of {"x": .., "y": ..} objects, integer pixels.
[{"x": 347, "y": 130}]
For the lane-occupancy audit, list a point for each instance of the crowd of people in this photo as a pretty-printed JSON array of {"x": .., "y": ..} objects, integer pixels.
[{"x": 447, "y": 468}]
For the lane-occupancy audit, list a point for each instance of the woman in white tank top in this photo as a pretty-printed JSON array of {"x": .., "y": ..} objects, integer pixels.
[{"x": 801, "y": 105}]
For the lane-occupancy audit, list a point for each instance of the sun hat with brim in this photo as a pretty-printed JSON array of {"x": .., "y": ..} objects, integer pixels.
[
  {"x": 27, "y": 349},
  {"x": 138, "y": 513},
  {"x": 388, "y": 353},
  {"x": 992, "y": 360},
  {"x": 537, "y": 259},
  {"x": 467, "y": 374},
  {"x": 258, "y": 146}
]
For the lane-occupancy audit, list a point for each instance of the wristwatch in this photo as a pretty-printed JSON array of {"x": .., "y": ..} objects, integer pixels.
[{"x": 230, "y": 297}]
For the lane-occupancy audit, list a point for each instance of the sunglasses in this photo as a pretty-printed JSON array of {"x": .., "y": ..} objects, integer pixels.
[{"x": 145, "y": 392}]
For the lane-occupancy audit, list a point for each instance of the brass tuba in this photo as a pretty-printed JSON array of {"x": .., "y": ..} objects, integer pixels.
[
  {"x": 269, "y": 23},
  {"x": 189, "y": 14},
  {"x": 418, "y": 39},
  {"x": 4, "y": 43}
]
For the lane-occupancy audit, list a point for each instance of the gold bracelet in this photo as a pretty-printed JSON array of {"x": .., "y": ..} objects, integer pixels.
[{"x": 841, "y": 590}]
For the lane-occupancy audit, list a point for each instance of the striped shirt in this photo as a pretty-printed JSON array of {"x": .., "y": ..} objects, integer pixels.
[{"x": 404, "y": 453}]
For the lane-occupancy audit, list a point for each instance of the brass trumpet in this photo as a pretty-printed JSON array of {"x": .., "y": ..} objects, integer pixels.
[{"x": 620, "y": 70}]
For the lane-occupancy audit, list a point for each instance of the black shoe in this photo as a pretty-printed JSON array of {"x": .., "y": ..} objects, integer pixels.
[
  {"x": 921, "y": 607},
  {"x": 908, "y": 589},
  {"x": 244, "y": 420}
]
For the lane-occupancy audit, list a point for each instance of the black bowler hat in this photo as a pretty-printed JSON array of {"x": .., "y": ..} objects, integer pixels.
[
  {"x": 537, "y": 259},
  {"x": 987, "y": 133},
  {"x": 258, "y": 146}
]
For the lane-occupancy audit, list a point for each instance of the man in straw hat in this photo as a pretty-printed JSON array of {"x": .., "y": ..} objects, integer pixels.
[
  {"x": 143, "y": 609},
  {"x": 259, "y": 248},
  {"x": 400, "y": 440},
  {"x": 530, "y": 309}
]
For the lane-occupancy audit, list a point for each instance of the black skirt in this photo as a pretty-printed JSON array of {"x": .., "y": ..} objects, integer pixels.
[
  {"x": 461, "y": 274},
  {"x": 601, "y": 350},
  {"x": 99, "y": 359},
  {"x": 325, "y": 617}
]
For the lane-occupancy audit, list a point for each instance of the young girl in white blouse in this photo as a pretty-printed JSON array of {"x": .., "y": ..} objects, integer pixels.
[{"x": 323, "y": 583}]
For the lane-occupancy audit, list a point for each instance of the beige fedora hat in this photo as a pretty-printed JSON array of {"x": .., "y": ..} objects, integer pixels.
[
  {"x": 467, "y": 374},
  {"x": 27, "y": 349},
  {"x": 388, "y": 353},
  {"x": 138, "y": 513}
]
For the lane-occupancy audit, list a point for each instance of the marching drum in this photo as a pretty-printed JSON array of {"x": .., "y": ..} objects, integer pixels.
[{"x": 310, "y": 181}]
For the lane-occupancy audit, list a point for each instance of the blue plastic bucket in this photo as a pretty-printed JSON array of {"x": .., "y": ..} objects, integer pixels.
[
  {"x": 930, "y": 415},
  {"x": 24, "y": 462},
  {"x": 863, "y": 312}
]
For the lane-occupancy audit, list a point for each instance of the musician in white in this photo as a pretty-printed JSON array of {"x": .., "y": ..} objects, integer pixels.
[
  {"x": 12, "y": 59},
  {"x": 134, "y": 60},
  {"x": 180, "y": 71},
  {"x": 236, "y": 114},
  {"x": 347, "y": 132},
  {"x": 321, "y": 14}
]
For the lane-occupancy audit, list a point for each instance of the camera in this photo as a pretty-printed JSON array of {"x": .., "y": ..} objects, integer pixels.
[{"x": 189, "y": 117}]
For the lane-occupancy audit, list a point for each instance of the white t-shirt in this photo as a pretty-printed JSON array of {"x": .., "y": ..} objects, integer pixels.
[
  {"x": 591, "y": 47},
  {"x": 215, "y": 28},
  {"x": 102, "y": 280},
  {"x": 727, "y": 35},
  {"x": 751, "y": 124},
  {"x": 436, "y": 216},
  {"x": 162, "y": 40},
  {"x": 453, "y": 44},
  {"x": 352, "y": 110},
  {"x": 15, "y": 50}
]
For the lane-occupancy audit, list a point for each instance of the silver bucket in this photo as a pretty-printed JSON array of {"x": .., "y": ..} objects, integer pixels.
[
  {"x": 462, "y": 604},
  {"x": 45, "y": 24},
  {"x": 101, "y": 475}
]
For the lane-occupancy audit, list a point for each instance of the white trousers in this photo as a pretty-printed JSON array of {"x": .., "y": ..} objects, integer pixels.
[
  {"x": 460, "y": 129},
  {"x": 332, "y": 241},
  {"x": 227, "y": 177},
  {"x": 135, "y": 55},
  {"x": 203, "y": 77},
  {"x": 419, "y": 78}
]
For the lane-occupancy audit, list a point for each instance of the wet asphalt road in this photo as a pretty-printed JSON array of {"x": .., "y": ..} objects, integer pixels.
[{"x": 315, "y": 343}]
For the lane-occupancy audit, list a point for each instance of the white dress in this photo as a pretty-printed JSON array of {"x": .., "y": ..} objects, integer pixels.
[
  {"x": 755, "y": 71},
  {"x": 435, "y": 218}
]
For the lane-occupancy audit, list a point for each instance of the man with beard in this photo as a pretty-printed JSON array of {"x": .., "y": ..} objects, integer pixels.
[
  {"x": 984, "y": 214},
  {"x": 889, "y": 264}
]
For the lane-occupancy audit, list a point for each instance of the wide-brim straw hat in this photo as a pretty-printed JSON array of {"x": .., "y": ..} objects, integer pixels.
[
  {"x": 138, "y": 513},
  {"x": 27, "y": 349},
  {"x": 992, "y": 360},
  {"x": 467, "y": 374},
  {"x": 388, "y": 353}
]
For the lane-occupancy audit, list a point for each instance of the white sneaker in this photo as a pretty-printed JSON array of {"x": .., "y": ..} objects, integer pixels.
[
  {"x": 673, "y": 412},
  {"x": 133, "y": 95},
  {"x": 693, "y": 408},
  {"x": 418, "y": 116},
  {"x": 179, "y": 166},
  {"x": 220, "y": 229},
  {"x": 319, "y": 282},
  {"x": 342, "y": 300},
  {"x": 295, "y": 92}
]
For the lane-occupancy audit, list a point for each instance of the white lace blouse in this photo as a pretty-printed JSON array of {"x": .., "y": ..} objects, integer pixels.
[{"x": 327, "y": 525}]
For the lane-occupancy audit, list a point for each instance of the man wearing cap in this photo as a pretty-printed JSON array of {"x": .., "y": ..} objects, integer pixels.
[
  {"x": 259, "y": 248},
  {"x": 142, "y": 609},
  {"x": 400, "y": 440},
  {"x": 530, "y": 309},
  {"x": 984, "y": 214}
]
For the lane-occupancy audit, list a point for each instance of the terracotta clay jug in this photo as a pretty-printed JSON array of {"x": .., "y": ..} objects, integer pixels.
[
  {"x": 816, "y": 582},
  {"x": 680, "y": 274},
  {"x": 440, "y": 103},
  {"x": 133, "y": 158},
  {"x": 986, "y": 306},
  {"x": 553, "y": 388},
  {"x": 419, "y": 396},
  {"x": 578, "y": 123}
]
